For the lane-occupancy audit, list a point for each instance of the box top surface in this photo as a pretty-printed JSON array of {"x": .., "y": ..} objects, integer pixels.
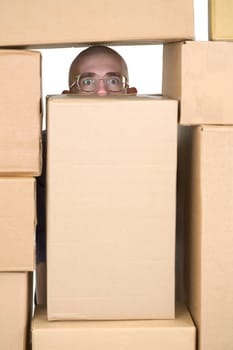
[
  {"x": 19, "y": 52},
  {"x": 202, "y": 43},
  {"x": 70, "y": 98},
  {"x": 183, "y": 319}
]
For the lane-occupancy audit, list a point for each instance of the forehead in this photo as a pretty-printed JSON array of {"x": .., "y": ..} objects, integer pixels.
[{"x": 99, "y": 63}]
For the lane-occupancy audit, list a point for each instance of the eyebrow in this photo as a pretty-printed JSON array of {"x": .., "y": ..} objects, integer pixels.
[
  {"x": 113, "y": 74},
  {"x": 88, "y": 74},
  {"x": 91, "y": 74}
]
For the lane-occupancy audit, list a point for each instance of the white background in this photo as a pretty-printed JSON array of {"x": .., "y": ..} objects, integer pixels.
[{"x": 144, "y": 62}]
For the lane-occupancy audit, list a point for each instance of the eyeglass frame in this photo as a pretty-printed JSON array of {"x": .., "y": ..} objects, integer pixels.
[{"x": 77, "y": 77}]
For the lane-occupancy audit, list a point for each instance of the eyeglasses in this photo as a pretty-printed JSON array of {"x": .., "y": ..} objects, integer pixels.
[{"x": 89, "y": 82}]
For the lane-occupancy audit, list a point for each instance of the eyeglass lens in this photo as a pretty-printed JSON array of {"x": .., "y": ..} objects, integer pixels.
[{"x": 112, "y": 83}]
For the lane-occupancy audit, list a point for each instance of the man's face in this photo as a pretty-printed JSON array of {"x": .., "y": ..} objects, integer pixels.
[{"x": 105, "y": 69}]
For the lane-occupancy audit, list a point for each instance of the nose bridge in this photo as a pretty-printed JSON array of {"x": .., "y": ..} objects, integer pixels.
[{"x": 101, "y": 87}]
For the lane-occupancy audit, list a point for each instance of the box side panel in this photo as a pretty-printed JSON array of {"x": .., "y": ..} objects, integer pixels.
[
  {"x": 176, "y": 334},
  {"x": 172, "y": 74},
  {"x": 183, "y": 339},
  {"x": 55, "y": 23},
  {"x": 211, "y": 19},
  {"x": 17, "y": 224},
  {"x": 115, "y": 171},
  {"x": 20, "y": 113},
  {"x": 217, "y": 237},
  {"x": 206, "y": 66},
  {"x": 14, "y": 315},
  {"x": 220, "y": 19}
]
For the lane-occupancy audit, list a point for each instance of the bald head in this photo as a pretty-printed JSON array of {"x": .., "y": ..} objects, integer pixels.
[{"x": 100, "y": 60}]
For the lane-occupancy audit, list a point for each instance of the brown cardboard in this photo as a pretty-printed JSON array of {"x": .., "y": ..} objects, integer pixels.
[
  {"x": 111, "y": 192},
  {"x": 220, "y": 19},
  {"x": 20, "y": 112},
  {"x": 15, "y": 306},
  {"x": 70, "y": 22},
  {"x": 200, "y": 75},
  {"x": 208, "y": 228},
  {"x": 17, "y": 224},
  {"x": 178, "y": 334}
]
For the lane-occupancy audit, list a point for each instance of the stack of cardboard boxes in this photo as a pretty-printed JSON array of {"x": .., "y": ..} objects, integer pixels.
[
  {"x": 200, "y": 75},
  {"x": 111, "y": 190},
  {"x": 111, "y": 208},
  {"x": 20, "y": 118},
  {"x": 111, "y": 187}
]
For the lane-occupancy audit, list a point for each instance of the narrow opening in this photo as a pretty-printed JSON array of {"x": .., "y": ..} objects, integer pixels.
[{"x": 144, "y": 64}]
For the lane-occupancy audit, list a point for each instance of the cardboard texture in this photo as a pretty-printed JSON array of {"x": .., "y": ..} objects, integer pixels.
[
  {"x": 178, "y": 334},
  {"x": 220, "y": 19},
  {"x": 15, "y": 306},
  {"x": 207, "y": 154},
  {"x": 20, "y": 112},
  {"x": 17, "y": 224},
  {"x": 69, "y": 22},
  {"x": 111, "y": 192},
  {"x": 200, "y": 75}
]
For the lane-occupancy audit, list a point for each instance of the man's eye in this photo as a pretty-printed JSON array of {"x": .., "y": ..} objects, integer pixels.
[
  {"x": 87, "y": 81},
  {"x": 114, "y": 81}
]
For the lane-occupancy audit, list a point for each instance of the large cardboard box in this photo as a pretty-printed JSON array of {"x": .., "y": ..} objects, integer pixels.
[
  {"x": 15, "y": 306},
  {"x": 111, "y": 192},
  {"x": 207, "y": 154},
  {"x": 220, "y": 19},
  {"x": 70, "y": 22},
  {"x": 20, "y": 111},
  {"x": 17, "y": 224},
  {"x": 178, "y": 334},
  {"x": 200, "y": 75}
]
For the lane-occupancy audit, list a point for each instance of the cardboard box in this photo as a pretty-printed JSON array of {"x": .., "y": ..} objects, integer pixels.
[
  {"x": 207, "y": 154},
  {"x": 200, "y": 75},
  {"x": 111, "y": 192},
  {"x": 178, "y": 334},
  {"x": 20, "y": 112},
  {"x": 70, "y": 22},
  {"x": 220, "y": 19},
  {"x": 15, "y": 306},
  {"x": 17, "y": 224}
]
